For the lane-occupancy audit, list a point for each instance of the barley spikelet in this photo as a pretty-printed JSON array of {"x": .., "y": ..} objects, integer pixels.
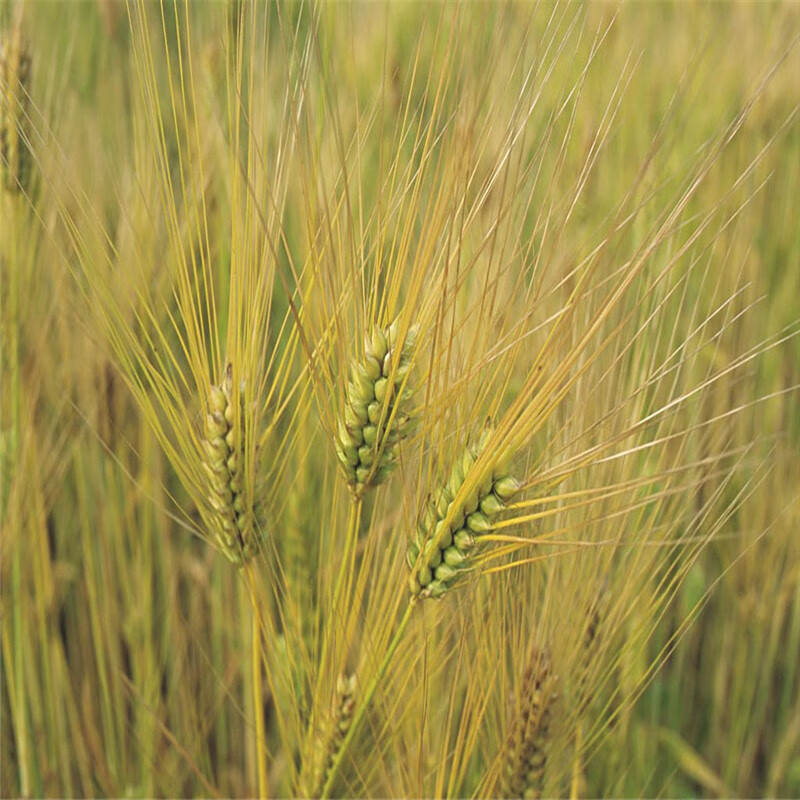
[
  {"x": 525, "y": 762},
  {"x": 233, "y": 519},
  {"x": 446, "y": 536},
  {"x": 328, "y": 744},
  {"x": 373, "y": 420},
  {"x": 15, "y": 70}
]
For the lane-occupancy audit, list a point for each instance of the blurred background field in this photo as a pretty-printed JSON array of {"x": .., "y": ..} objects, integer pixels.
[{"x": 126, "y": 639}]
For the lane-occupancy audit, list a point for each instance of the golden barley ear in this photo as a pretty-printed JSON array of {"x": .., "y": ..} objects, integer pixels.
[
  {"x": 329, "y": 742},
  {"x": 374, "y": 420},
  {"x": 233, "y": 518},
  {"x": 15, "y": 72},
  {"x": 525, "y": 761},
  {"x": 448, "y": 534}
]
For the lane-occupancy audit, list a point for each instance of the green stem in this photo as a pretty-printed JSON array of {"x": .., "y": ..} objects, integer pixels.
[
  {"x": 14, "y": 268},
  {"x": 258, "y": 693},
  {"x": 19, "y": 668},
  {"x": 351, "y": 537},
  {"x": 577, "y": 767},
  {"x": 353, "y": 524},
  {"x": 364, "y": 704}
]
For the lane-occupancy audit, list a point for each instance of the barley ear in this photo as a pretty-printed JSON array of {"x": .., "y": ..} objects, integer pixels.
[
  {"x": 15, "y": 70},
  {"x": 373, "y": 420},
  {"x": 448, "y": 534},
  {"x": 329, "y": 741},
  {"x": 232, "y": 515},
  {"x": 525, "y": 761}
]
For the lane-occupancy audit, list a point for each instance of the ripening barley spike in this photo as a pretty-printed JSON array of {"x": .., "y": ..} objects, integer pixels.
[
  {"x": 373, "y": 421},
  {"x": 233, "y": 516},
  {"x": 15, "y": 71},
  {"x": 328, "y": 744},
  {"x": 448, "y": 533},
  {"x": 525, "y": 762}
]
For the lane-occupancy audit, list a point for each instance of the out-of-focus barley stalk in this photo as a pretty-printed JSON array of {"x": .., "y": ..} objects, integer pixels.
[
  {"x": 363, "y": 704},
  {"x": 15, "y": 66},
  {"x": 590, "y": 644},
  {"x": 258, "y": 686}
]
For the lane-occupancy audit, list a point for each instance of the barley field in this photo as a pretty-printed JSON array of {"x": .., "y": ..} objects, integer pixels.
[{"x": 400, "y": 400}]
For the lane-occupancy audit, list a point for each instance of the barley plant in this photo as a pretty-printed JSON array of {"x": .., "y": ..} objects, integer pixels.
[{"x": 399, "y": 399}]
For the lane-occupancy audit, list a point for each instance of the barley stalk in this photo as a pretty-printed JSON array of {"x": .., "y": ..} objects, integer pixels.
[
  {"x": 258, "y": 690},
  {"x": 362, "y": 707},
  {"x": 14, "y": 163},
  {"x": 590, "y": 645}
]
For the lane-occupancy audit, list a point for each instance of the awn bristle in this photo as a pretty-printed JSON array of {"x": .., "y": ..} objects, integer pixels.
[
  {"x": 15, "y": 70},
  {"x": 525, "y": 762},
  {"x": 233, "y": 517},
  {"x": 447, "y": 535},
  {"x": 329, "y": 743},
  {"x": 373, "y": 421}
]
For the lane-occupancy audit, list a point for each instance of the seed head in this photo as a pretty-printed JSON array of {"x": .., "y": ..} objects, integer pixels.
[
  {"x": 328, "y": 744},
  {"x": 15, "y": 70},
  {"x": 526, "y": 755},
  {"x": 374, "y": 421},
  {"x": 448, "y": 532},
  {"x": 233, "y": 518}
]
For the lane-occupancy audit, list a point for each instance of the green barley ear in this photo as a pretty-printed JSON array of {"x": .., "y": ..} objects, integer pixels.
[
  {"x": 15, "y": 70},
  {"x": 233, "y": 519},
  {"x": 525, "y": 761},
  {"x": 374, "y": 421},
  {"x": 329, "y": 743},
  {"x": 448, "y": 534}
]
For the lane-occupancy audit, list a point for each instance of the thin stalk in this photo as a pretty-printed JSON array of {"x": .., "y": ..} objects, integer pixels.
[
  {"x": 364, "y": 704},
  {"x": 577, "y": 767},
  {"x": 261, "y": 739},
  {"x": 351, "y": 537},
  {"x": 353, "y": 523},
  {"x": 19, "y": 668},
  {"x": 147, "y": 666},
  {"x": 100, "y": 619},
  {"x": 16, "y": 567}
]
